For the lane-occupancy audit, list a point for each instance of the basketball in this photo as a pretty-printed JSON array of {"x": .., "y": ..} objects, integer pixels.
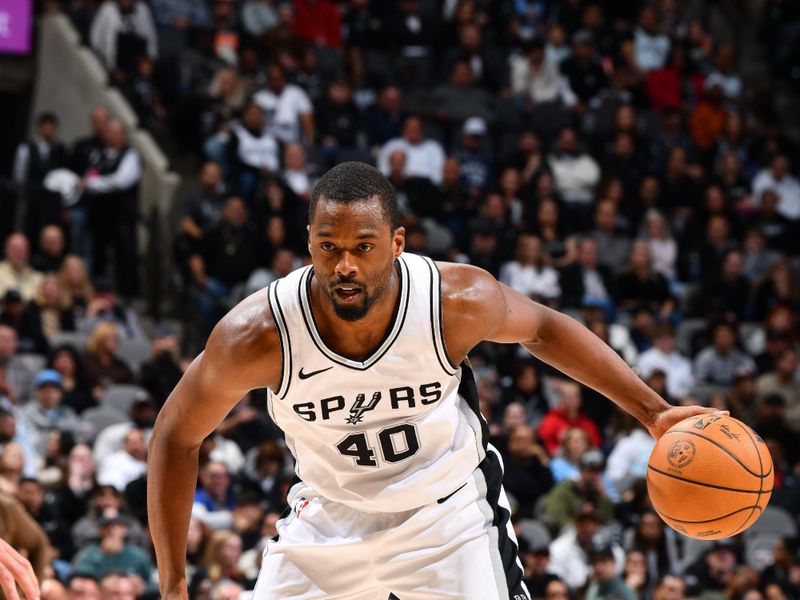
[{"x": 710, "y": 477}]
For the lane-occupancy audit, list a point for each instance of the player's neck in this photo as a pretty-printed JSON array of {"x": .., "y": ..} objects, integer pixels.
[{"x": 356, "y": 339}]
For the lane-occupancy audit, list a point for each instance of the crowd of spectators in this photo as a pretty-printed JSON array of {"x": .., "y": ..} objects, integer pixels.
[{"x": 605, "y": 159}]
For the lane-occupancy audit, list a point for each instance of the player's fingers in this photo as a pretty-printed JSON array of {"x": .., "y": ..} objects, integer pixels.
[
  {"x": 22, "y": 571},
  {"x": 8, "y": 583}
]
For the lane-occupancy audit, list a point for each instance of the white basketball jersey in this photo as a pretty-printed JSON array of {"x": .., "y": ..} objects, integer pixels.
[{"x": 394, "y": 432}]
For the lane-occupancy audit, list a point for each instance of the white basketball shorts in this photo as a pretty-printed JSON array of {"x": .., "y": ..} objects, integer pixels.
[{"x": 462, "y": 546}]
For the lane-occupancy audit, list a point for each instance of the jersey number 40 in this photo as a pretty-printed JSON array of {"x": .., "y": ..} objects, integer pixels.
[{"x": 397, "y": 443}]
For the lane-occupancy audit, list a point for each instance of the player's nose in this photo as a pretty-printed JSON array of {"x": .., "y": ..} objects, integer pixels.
[{"x": 346, "y": 265}]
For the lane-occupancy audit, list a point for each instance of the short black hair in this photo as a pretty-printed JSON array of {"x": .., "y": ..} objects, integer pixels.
[
  {"x": 351, "y": 182},
  {"x": 47, "y": 117}
]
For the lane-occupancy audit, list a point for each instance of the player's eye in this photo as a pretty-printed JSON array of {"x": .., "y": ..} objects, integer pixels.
[
  {"x": 326, "y": 246},
  {"x": 365, "y": 247}
]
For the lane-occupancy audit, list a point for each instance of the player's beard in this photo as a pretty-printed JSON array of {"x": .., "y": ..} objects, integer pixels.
[{"x": 355, "y": 312}]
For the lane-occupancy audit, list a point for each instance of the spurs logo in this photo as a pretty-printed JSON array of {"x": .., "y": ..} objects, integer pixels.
[{"x": 360, "y": 407}]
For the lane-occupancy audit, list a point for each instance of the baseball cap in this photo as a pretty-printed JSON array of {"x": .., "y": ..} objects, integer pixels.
[
  {"x": 48, "y": 377},
  {"x": 601, "y": 551},
  {"x": 475, "y": 126},
  {"x": 593, "y": 459}
]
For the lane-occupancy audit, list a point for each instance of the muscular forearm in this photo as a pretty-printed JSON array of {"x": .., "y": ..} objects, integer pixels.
[
  {"x": 171, "y": 481},
  {"x": 573, "y": 349}
]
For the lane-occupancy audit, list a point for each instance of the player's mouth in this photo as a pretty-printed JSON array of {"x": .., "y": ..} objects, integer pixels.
[{"x": 348, "y": 293}]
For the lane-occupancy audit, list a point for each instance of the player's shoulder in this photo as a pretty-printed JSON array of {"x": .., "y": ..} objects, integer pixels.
[
  {"x": 467, "y": 284},
  {"x": 247, "y": 333}
]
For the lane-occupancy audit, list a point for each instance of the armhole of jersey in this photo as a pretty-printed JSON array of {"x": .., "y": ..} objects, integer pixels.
[
  {"x": 437, "y": 325},
  {"x": 283, "y": 335}
]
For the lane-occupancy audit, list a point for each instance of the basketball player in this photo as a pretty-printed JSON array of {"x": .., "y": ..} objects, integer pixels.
[{"x": 364, "y": 355}]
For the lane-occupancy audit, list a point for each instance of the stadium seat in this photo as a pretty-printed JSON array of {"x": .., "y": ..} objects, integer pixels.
[
  {"x": 101, "y": 417},
  {"x": 134, "y": 352},
  {"x": 535, "y": 533},
  {"x": 121, "y": 396},
  {"x": 774, "y": 520},
  {"x": 34, "y": 362},
  {"x": 686, "y": 331},
  {"x": 75, "y": 339}
]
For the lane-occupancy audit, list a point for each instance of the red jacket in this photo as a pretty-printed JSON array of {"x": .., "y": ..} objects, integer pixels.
[
  {"x": 318, "y": 21},
  {"x": 555, "y": 423}
]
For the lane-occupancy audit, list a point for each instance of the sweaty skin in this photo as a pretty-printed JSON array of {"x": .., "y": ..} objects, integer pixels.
[{"x": 355, "y": 243}]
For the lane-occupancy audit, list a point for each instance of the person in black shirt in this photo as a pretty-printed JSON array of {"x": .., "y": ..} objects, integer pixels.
[
  {"x": 338, "y": 120},
  {"x": 586, "y": 77},
  {"x": 229, "y": 253},
  {"x": 83, "y": 150}
]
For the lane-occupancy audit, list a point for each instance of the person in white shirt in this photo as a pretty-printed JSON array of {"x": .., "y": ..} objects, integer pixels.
[
  {"x": 576, "y": 174},
  {"x": 724, "y": 74},
  {"x": 288, "y": 108},
  {"x": 628, "y": 460},
  {"x": 16, "y": 272},
  {"x": 569, "y": 552},
  {"x": 664, "y": 357},
  {"x": 528, "y": 273},
  {"x": 120, "y": 468},
  {"x": 295, "y": 170},
  {"x": 121, "y": 32},
  {"x": 536, "y": 77},
  {"x": 777, "y": 178},
  {"x": 111, "y": 193},
  {"x": 663, "y": 247},
  {"x": 424, "y": 157},
  {"x": 651, "y": 47},
  {"x": 252, "y": 150}
]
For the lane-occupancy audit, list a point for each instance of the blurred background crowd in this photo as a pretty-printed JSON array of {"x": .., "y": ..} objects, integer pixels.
[{"x": 608, "y": 159}]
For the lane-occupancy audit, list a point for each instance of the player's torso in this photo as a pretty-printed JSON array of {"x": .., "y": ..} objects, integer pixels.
[{"x": 386, "y": 434}]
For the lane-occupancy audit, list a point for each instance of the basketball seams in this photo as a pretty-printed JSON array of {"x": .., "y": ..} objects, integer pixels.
[
  {"x": 750, "y": 508},
  {"x": 711, "y": 485},
  {"x": 725, "y": 450},
  {"x": 760, "y": 482}
]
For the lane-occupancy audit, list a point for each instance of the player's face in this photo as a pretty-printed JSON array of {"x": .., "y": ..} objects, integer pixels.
[{"x": 353, "y": 247}]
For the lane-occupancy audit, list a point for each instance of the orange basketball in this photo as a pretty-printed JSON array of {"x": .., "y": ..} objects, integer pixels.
[{"x": 710, "y": 477}]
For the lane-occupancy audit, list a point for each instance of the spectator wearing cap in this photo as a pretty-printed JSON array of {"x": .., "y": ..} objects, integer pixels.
[
  {"x": 664, "y": 356},
  {"x": 576, "y": 175},
  {"x": 46, "y": 412},
  {"x": 113, "y": 553},
  {"x": 16, "y": 273},
  {"x": 569, "y": 552},
  {"x": 605, "y": 583},
  {"x": 424, "y": 156},
  {"x": 567, "y": 414},
  {"x": 477, "y": 166},
  {"x": 25, "y": 319},
  {"x": 119, "y": 468},
  {"x": 718, "y": 362},
  {"x": 160, "y": 374},
  {"x": 536, "y": 560},
  {"x": 567, "y": 497}
]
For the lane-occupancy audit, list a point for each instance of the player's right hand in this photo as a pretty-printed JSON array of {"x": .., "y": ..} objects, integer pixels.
[{"x": 16, "y": 569}]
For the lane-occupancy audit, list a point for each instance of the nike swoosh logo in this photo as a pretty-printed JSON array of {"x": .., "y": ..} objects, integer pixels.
[
  {"x": 450, "y": 495},
  {"x": 302, "y": 375}
]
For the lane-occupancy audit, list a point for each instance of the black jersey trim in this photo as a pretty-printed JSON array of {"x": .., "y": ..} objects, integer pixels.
[
  {"x": 398, "y": 321},
  {"x": 283, "y": 336},
  {"x": 468, "y": 390},
  {"x": 437, "y": 329},
  {"x": 492, "y": 470}
]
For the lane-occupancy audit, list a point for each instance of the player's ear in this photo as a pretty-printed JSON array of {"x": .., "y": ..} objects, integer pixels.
[{"x": 398, "y": 241}]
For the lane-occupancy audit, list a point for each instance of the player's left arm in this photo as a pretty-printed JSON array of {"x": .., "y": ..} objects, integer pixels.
[{"x": 476, "y": 307}]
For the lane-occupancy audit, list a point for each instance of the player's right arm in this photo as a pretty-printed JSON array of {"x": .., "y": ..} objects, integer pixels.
[{"x": 242, "y": 354}]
